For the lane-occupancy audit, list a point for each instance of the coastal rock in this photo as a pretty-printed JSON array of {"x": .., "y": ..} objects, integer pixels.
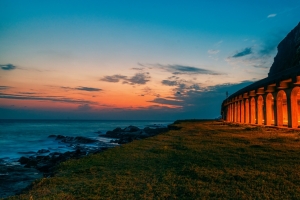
[
  {"x": 73, "y": 140},
  {"x": 43, "y": 151},
  {"x": 23, "y": 160},
  {"x": 131, "y": 133},
  {"x": 131, "y": 129},
  {"x": 14, "y": 179},
  {"x": 288, "y": 55}
]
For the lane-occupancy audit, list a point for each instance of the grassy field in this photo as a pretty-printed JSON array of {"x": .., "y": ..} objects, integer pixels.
[{"x": 202, "y": 160}]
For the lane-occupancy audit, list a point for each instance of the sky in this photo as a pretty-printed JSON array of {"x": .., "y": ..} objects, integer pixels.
[{"x": 135, "y": 60}]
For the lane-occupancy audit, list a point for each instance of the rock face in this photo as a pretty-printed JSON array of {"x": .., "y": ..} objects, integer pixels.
[
  {"x": 131, "y": 133},
  {"x": 288, "y": 55}
]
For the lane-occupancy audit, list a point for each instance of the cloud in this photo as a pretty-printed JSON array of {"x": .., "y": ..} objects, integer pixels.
[
  {"x": 44, "y": 98},
  {"x": 137, "y": 79},
  {"x": 137, "y": 68},
  {"x": 3, "y": 87},
  {"x": 8, "y": 67},
  {"x": 242, "y": 53},
  {"x": 271, "y": 15},
  {"x": 213, "y": 51},
  {"x": 184, "y": 69},
  {"x": 171, "y": 102},
  {"x": 84, "y": 107},
  {"x": 169, "y": 82},
  {"x": 88, "y": 89},
  {"x": 113, "y": 79}
]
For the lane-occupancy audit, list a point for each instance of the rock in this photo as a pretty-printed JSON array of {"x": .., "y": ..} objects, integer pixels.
[
  {"x": 15, "y": 179},
  {"x": 75, "y": 140},
  {"x": 23, "y": 160},
  {"x": 84, "y": 140},
  {"x": 131, "y": 129},
  {"x": 31, "y": 163},
  {"x": 43, "y": 151},
  {"x": 118, "y": 129},
  {"x": 60, "y": 137},
  {"x": 288, "y": 55}
]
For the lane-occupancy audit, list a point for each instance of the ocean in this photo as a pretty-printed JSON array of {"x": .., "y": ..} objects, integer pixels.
[{"x": 25, "y": 137}]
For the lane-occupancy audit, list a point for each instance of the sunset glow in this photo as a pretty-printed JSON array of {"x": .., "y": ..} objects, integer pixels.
[{"x": 134, "y": 60}]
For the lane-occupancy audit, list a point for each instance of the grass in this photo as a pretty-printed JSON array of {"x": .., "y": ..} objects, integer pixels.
[{"x": 202, "y": 160}]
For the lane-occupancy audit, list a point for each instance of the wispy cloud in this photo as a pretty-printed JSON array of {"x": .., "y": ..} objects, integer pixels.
[
  {"x": 3, "y": 87},
  {"x": 88, "y": 89},
  {"x": 137, "y": 79},
  {"x": 242, "y": 53},
  {"x": 8, "y": 67},
  {"x": 271, "y": 15},
  {"x": 182, "y": 69},
  {"x": 44, "y": 98},
  {"x": 213, "y": 51},
  {"x": 113, "y": 79},
  {"x": 171, "y": 102}
]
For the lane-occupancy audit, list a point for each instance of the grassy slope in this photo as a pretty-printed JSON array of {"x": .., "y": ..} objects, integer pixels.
[{"x": 203, "y": 160}]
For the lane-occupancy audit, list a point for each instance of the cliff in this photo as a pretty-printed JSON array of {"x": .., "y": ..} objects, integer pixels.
[{"x": 288, "y": 55}]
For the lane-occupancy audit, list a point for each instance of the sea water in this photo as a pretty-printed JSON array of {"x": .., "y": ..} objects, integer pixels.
[{"x": 25, "y": 137}]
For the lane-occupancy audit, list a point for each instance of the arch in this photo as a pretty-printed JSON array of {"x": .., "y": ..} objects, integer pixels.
[
  {"x": 295, "y": 107},
  {"x": 247, "y": 114},
  {"x": 269, "y": 109},
  {"x": 252, "y": 111},
  {"x": 260, "y": 114},
  {"x": 281, "y": 102}
]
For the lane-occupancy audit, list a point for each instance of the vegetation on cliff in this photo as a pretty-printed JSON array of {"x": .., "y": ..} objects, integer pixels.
[{"x": 201, "y": 160}]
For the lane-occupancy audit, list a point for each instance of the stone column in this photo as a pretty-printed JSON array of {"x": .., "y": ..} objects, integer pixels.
[
  {"x": 259, "y": 109},
  {"x": 252, "y": 110},
  {"x": 238, "y": 112},
  {"x": 247, "y": 113},
  {"x": 242, "y": 111},
  {"x": 268, "y": 110},
  {"x": 288, "y": 93}
]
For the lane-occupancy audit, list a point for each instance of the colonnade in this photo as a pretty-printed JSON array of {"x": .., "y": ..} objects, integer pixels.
[{"x": 276, "y": 104}]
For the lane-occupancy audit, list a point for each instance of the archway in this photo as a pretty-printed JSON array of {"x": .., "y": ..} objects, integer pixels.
[
  {"x": 247, "y": 111},
  {"x": 282, "y": 118},
  {"x": 252, "y": 111},
  {"x": 295, "y": 107},
  {"x": 269, "y": 109},
  {"x": 260, "y": 114}
]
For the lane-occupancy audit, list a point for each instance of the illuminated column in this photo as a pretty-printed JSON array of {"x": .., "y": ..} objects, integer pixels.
[
  {"x": 235, "y": 112},
  {"x": 242, "y": 111},
  {"x": 295, "y": 107},
  {"x": 259, "y": 110},
  {"x": 238, "y": 112},
  {"x": 269, "y": 109},
  {"x": 289, "y": 107},
  {"x": 247, "y": 113},
  {"x": 281, "y": 108},
  {"x": 252, "y": 111}
]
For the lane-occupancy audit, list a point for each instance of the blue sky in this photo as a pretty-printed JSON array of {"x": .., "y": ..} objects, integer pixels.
[{"x": 134, "y": 59}]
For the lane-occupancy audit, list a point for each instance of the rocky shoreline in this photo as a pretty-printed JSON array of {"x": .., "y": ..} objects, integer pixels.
[{"x": 17, "y": 177}]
